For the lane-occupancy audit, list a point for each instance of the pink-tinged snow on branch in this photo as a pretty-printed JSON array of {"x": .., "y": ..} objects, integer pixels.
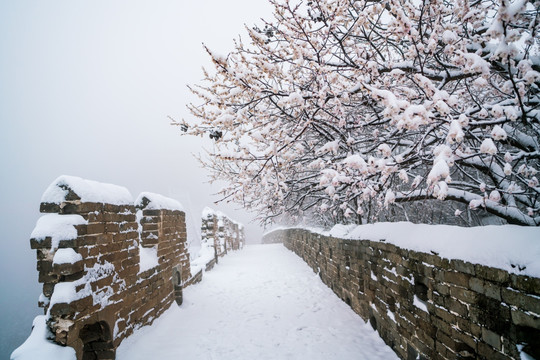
[
  {"x": 330, "y": 109},
  {"x": 474, "y": 201}
]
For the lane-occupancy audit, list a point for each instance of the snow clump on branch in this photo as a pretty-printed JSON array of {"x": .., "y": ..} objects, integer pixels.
[{"x": 445, "y": 92}]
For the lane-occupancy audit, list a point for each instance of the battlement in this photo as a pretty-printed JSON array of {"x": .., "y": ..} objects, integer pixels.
[
  {"x": 109, "y": 264},
  {"x": 220, "y": 232}
]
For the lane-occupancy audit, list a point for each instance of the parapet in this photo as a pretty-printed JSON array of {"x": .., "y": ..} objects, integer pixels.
[
  {"x": 225, "y": 233},
  {"x": 432, "y": 304},
  {"x": 108, "y": 264}
]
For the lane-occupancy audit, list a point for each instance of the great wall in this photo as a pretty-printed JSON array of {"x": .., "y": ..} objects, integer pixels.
[
  {"x": 422, "y": 305},
  {"x": 110, "y": 264}
]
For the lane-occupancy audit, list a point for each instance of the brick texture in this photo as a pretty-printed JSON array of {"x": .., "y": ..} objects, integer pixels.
[
  {"x": 110, "y": 296},
  {"x": 473, "y": 311}
]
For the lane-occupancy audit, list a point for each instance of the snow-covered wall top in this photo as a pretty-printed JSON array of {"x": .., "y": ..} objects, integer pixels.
[
  {"x": 75, "y": 188},
  {"x": 57, "y": 227},
  {"x": 208, "y": 213},
  {"x": 220, "y": 232},
  {"x": 152, "y": 201},
  {"x": 512, "y": 248}
]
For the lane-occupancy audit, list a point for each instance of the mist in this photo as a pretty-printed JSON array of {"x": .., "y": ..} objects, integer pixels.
[{"x": 86, "y": 89}]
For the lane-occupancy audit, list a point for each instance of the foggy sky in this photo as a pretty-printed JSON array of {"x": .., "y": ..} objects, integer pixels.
[{"x": 85, "y": 90}]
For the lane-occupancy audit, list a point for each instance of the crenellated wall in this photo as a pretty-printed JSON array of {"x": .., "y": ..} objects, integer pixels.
[
  {"x": 221, "y": 233},
  {"x": 422, "y": 305},
  {"x": 108, "y": 264}
]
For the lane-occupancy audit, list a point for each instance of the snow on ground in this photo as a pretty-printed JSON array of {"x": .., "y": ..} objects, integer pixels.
[
  {"x": 38, "y": 347},
  {"x": 206, "y": 254},
  {"x": 259, "y": 303}
]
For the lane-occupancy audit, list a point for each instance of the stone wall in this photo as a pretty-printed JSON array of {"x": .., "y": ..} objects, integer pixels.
[
  {"x": 221, "y": 233},
  {"x": 422, "y": 305},
  {"x": 108, "y": 264}
]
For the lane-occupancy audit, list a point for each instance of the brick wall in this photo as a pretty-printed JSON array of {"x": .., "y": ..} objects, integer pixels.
[
  {"x": 108, "y": 264},
  {"x": 221, "y": 232},
  {"x": 424, "y": 306}
]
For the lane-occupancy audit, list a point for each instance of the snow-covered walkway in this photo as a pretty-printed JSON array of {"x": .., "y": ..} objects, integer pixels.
[{"x": 259, "y": 303}]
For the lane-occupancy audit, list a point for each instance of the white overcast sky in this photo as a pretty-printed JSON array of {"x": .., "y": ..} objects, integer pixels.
[{"x": 85, "y": 90}]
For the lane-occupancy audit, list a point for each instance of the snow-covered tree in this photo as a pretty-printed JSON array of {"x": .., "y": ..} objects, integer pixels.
[{"x": 345, "y": 107}]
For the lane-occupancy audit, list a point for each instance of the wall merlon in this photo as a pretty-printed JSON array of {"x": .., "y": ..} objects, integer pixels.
[{"x": 103, "y": 268}]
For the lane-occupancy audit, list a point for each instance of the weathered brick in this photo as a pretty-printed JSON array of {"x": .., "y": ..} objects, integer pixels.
[
  {"x": 457, "y": 278},
  {"x": 495, "y": 275},
  {"x": 521, "y": 300},
  {"x": 463, "y": 266},
  {"x": 464, "y": 295},
  {"x": 487, "y": 352},
  {"x": 491, "y": 338},
  {"x": 527, "y": 284},
  {"x": 44, "y": 243},
  {"x": 68, "y": 269},
  {"x": 455, "y": 306},
  {"x": 525, "y": 319}
]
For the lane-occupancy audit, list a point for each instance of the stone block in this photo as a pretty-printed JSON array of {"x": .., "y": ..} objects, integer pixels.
[
  {"x": 112, "y": 228},
  {"x": 487, "y": 352},
  {"x": 48, "y": 289},
  {"x": 486, "y": 288},
  {"x": 467, "y": 339},
  {"x": 74, "y": 276},
  {"x": 95, "y": 228},
  {"x": 491, "y": 274},
  {"x": 456, "y": 307},
  {"x": 155, "y": 213},
  {"x": 521, "y": 300},
  {"x": 474, "y": 329},
  {"x": 69, "y": 269},
  {"x": 491, "y": 338},
  {"x": 77, "y": 207},
  {"x": 101, "y": 283},
  {"x": 491, "y": 314},
  {"x": 441, "y": 325},
  {"x": 40, "y": 243},
  {"x": 462, "y": 266},
  {"x": 464, "y": 295},
  {"x": 45, "y": 266},
  {"x": 526, "y": 284},
  {"x": 457, "y": 278},
  {"x": 522, "y": 318},
  {"x": 49, "y": 208},
  {"x": 442, "y": 352},
  {"x": 445, "y": 315},
  {"x": 69, "y": 309},
  {"x": 426, "y": 327},
  {"x": 47, "y": 278},
  {"x": 444, "y": 339},
  {"x": 442, "y": 289}
]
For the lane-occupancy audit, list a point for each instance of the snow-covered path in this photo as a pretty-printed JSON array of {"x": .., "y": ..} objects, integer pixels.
[{"x": 262, "y": 302}]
